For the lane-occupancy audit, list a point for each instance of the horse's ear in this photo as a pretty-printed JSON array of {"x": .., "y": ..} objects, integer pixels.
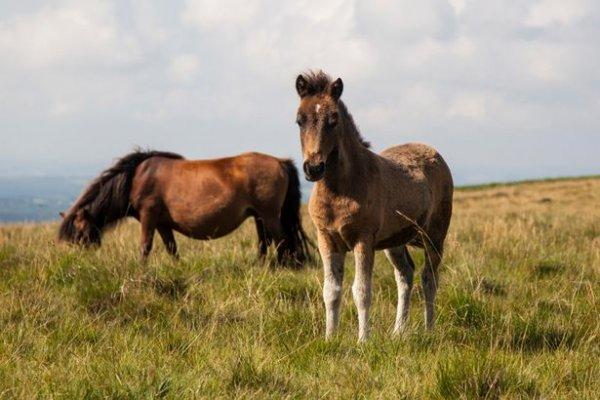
[
  {"x": 301, "y": 86},
  {"x": 62, "y": 214},
  {"x": 336, "y": 88}
]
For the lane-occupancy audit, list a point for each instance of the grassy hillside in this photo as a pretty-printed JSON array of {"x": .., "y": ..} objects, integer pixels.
[{"x": 518, "y": 313}]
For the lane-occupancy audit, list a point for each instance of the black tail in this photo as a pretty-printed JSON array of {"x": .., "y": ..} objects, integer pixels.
[
  {"x": 106, "y": 199},
  {"x": 295, "y": 243}
]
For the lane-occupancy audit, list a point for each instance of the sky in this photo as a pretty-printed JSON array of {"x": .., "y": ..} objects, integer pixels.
[{"x": 504, "y": 90}]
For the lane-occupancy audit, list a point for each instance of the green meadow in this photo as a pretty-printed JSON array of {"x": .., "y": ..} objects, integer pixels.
[{"x": 517, "y": 313}]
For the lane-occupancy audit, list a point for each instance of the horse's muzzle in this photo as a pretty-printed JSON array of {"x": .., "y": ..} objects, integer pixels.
[{"x": 313, "y": 173}]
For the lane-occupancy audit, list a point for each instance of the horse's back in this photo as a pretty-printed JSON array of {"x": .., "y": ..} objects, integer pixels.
[
  {"x": 259, "y": 164},
  {"x": 412, "y": 155},
  {"x": 235, "y": 170},
  {"x": 419, "y": 158}
]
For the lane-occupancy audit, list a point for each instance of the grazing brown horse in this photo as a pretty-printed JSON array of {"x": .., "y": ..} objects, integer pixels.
[
  {"x": 363, "y": 202},
  {"x": 202, "y": 199}
]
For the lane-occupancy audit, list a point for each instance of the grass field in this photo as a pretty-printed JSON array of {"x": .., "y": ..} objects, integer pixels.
[{"x": 517, "y": 313}]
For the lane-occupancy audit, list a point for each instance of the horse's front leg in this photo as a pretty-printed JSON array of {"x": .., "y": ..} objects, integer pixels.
[
  {"x": 361, "y": 288},
  {"x": 148, "y": 227},
  {"x": 333, "y": 276}
]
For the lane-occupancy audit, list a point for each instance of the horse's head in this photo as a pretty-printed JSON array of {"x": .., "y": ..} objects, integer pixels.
[
  {"x": 79, "y": 227},
  {"x": 318, "y": 118}
]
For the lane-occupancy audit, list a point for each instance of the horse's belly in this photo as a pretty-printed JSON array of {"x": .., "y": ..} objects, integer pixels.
[
  {"x": 399, "y": 228},
  {"x": 213, "y": 224},
  {"x": 395, "y": 239}
]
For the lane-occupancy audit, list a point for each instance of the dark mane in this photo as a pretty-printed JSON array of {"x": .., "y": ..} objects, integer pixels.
[
  {"x": 106, "y": 199},
  {"x": 351, "y": 124},
  {"x": 318, "y": 83}
]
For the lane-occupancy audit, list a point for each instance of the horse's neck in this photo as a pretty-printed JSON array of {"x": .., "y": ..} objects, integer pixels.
[
  {"x": 104, "y": 219},
  {"x": 352, "y": 166}
]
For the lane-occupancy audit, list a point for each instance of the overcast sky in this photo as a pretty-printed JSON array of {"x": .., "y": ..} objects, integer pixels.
[{"x": 504, "y": 89}]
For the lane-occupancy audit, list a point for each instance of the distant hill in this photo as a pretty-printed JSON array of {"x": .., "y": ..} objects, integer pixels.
[{"x": 37, "y": 198}]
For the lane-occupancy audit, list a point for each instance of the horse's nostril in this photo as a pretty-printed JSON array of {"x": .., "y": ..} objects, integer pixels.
[
  {"x": 306, "y": 167},
  {"x": 319, "y": 168}
]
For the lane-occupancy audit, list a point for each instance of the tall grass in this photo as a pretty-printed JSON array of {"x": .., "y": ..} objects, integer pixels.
[{"x": 517, "y": 313}]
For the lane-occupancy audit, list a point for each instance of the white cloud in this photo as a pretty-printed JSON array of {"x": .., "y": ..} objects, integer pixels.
[
  {"x": 309, "y": 34},
  {"x": 458, "y": 5},
  {"x": 545, "y": 65},
  {"x": 408, "y": 19},
  {"x": 61, "y": 108},
  {"x": 214, "y": 13},
  {"x": 554, "y": 63},
  {"x": 468, "y": 105},
  {"x": 148, "y": 22},
  {"x": 77, "y": 34},
  {"x": 183, "y": 68},
  {"x": 422, "y": 96},
  {"x": 548, "y": 12}
]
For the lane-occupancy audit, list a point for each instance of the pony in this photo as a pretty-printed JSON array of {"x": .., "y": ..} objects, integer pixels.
[
  {"x": 201, "y": 199},
  {"x": 363, "y": 202}
]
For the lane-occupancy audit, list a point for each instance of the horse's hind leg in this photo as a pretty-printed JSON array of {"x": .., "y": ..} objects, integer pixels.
[
  {"x": 275, "y": 233},
  {"x": 169, "y": 240},
  {"x": 263, "y": 237},
  {"x": 404, "y": 268},
  {"x": 429, "y": 277}
]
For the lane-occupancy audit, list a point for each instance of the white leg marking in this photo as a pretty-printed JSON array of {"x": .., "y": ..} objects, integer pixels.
[
  {"x": 361, "y": 288},
  {"x": 333, "y": 276}
]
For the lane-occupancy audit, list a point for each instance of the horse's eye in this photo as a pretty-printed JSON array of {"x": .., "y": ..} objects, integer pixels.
[
  {"x": 332, "y": 121},
  {"x": 300, "y": 120}
]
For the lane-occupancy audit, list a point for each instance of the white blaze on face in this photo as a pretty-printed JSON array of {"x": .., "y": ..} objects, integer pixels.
[{"x": 317, "y": 107}]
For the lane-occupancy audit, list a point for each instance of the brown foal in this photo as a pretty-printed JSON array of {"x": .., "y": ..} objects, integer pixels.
[{"x": 363, "y": 202}]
